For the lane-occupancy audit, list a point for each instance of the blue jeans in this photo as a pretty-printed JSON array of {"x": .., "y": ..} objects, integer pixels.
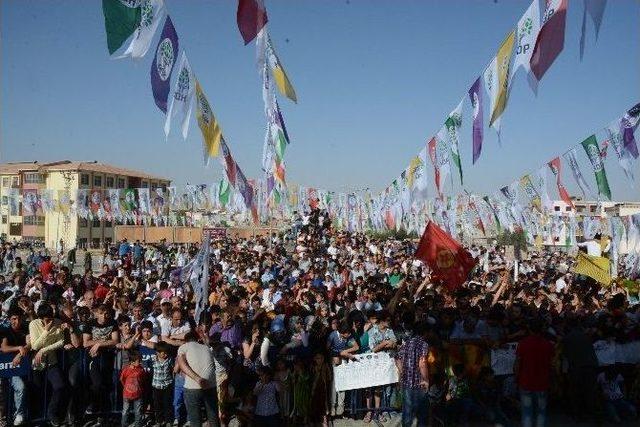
[
  {"x": 618, "y": 409},
  {"x": 194, "y": 399},
  {"x": 137, "y": 411},
  {"x": 19, "y": 400},
  {"x": 414, "y": 404},
  {"x": 533, "y": 404},
  {"x": 178, "y": 398}
]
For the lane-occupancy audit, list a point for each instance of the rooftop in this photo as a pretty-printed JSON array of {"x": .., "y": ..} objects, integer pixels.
[{"x": 68, "y": 165}]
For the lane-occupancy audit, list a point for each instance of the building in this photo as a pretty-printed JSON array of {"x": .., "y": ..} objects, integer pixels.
[
  {"x": 595, "y": 208},
  {"x": 63, "y": 177}
]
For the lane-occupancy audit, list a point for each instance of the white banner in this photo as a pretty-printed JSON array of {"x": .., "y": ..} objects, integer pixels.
[{"x": 367, "y": 370}]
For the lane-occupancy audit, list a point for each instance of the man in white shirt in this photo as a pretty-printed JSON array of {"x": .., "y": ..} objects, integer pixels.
[
  {"x": 197, "y": 363},
  {"x": 593, "y": 246}
]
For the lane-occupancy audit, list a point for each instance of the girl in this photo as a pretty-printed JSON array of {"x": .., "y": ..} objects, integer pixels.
[{"x": 320, "y": 391}]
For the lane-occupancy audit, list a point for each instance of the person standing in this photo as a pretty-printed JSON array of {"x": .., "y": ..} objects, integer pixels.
[
  {"x": 14, "y": 339},
  {"x": 533, "y": 374},
  {"x": 414, "y": 376},
  {"x": 196, "y": 362}
]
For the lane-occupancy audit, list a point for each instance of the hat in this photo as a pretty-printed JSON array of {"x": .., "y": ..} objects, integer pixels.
[{"x": 165, "y": 301}]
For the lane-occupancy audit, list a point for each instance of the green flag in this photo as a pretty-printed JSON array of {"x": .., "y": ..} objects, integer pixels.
[
  {"x": 224, "y": 192},
  {"x": 121, "y": 18},
  {"x": 590, "y": 146}
]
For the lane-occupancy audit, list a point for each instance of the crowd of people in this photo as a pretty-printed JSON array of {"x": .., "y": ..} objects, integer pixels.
[{"x": 122, "y": 345}]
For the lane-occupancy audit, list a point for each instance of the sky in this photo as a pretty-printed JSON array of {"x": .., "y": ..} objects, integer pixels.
[{"x": 375, "y": 80}]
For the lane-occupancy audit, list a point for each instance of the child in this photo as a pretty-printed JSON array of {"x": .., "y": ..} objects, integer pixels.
[
  {"x": 266, "y": 392},
  {"x": 132, "y": 377},
  {"x": 611, "y": 385},
  {"x": 437, "y": 390},
  {"x": 301, "y": 394},
  {"x": 162, "y": 384},
  {"x": 283, "y": 376},
  {"x": 460, "y": 404}
]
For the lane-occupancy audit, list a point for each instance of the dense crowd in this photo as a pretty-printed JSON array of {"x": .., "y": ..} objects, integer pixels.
[{"x": 123, "y": 342}]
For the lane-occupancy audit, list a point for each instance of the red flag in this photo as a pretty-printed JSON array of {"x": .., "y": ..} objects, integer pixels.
[
  {"x": 446, "y": 257},
  {"x": 251, "y": 16},
  {"x": 550, "y": 40},
  {"x": 554, "y": 165}
]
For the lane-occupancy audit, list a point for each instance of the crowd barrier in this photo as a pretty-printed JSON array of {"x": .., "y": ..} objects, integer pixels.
[
  {"x": 38, "y": 400},
  {"x": 353, "y": 381}
]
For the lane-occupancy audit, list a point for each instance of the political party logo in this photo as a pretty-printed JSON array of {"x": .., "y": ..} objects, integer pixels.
[
  {"x": 165, "y": 57},
  {"x": 184, "y": 82},
  {"x": 594, "y": 157},
  {"x": 130, "y": 3},
  {"x": 526, "y": 28},
  {"x": 445, "y": 258},
  {"x": 204, "y": 108},
  {"x": 489, "y": 80},
  {"x": 549, "y": 11},
  {"x": 146, "y": 18}
]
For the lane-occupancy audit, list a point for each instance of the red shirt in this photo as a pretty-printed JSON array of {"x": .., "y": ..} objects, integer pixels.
[
  {"x": 46, "y": 268},
  {"x": 535, "y": 354},
  {"x": 101, "y": 292},
  {"x": 131, "y": 378}
]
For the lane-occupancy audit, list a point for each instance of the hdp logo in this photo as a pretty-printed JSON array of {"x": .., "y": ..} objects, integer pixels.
[{"x": 445, "y": 258}]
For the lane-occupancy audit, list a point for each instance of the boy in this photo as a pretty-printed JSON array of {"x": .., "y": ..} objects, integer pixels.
[
  {"x": 132, "y": 378},
  {"x": 162, "y": 384}
]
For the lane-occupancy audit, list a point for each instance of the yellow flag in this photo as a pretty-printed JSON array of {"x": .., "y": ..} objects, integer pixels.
[
  {"x": 503, "y": 58},
  {"x": 413, "y": 165},
  {"x": 279, "y": 75},
  {"x": 595, "y": 267},
  {"x": 211, "y": 132}
]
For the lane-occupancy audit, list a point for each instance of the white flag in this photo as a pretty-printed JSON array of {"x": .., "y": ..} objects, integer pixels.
[
  {"x": 526, "y": 34},
  {"x": 181, "y": 97},
  {"x": 151, "y": 14},
  {"x": 492, "y": 86},
  {"x": 624, "y": 157},
  {"x": 144, "y": 201},
  {"x": 540, "y": 182},
  {"x": 420, "y": 176}
]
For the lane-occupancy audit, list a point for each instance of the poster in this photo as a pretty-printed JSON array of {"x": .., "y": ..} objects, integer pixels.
[{"x": 367, "y": 370}]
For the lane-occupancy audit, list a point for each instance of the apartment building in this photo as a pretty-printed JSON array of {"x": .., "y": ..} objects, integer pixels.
[{"x": 64, "y": 178}]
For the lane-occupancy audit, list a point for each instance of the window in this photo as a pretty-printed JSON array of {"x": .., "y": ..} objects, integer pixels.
[
  {"x": 33, "y": 178},
  {"x": 95, "y": 242},
  {"x": 15, "y": 209},
  {"x": 592, "y": 208},
  {"x": 82, "y": 222},
  {"x": 95, "y": 223},
  {"x": 120, "y": 182},
  {"x": 15, "y": 228},
  {"x": 82, "y": 242},
  {"x": 153, "y": 187},
  {"x": 97, "y": 180},
  {"x": 556, "y": 208},
  {"x": 4, "y": 219},
  {"x": 33, "y": 220},
  {"x": 5, "y": 181},
  {"x": 5, "y": 200},
  {"x": 109, "y": 182},
  {"x": 15, "y": 181},
  {"x": 567, "y": 209},
  {"x": 84, "y": 179},
  {"x": 580, "y": 209},
  {"x": 145, "y": 184},
  {"x": 107, "y": 224}
]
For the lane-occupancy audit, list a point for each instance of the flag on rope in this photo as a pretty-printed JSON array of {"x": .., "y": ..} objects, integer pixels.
[
  {"x": 163, "y": 62},
  {"x": 121, "y": 18},
  {"x": 555, "y": 167},
  {"x": 624, "y": 157},
  {"x": 496, "y": 79},
  {"x": 228, "y": 162},
  {"x": 277, "y": 70},
  {"x": 453, "y": 124},
  {"x": 152, "y": 13},
  {"x": 449, "y": 261},
  {"x": 570, "y": 157},
  {"x": 251, "y": 16},
  {"x": 593, "y": 266},
  {"x": 181, "y": 97},
  {"x": 211, "y": 132},
  {"x": 526, "y": 33},
  {"x": 475, "y": 95},
  {"x": 590, "y": 146},
  {"x": 628, "y": 125},
  {"x": 550, "y": 40},
  {"x": 595, "y": 9}
]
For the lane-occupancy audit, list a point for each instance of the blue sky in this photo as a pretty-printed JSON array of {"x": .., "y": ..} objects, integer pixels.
[{"x": 375, "y": 80}]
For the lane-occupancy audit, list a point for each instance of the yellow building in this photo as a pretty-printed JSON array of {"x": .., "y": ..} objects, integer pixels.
[{"x": 63, "y": 177}]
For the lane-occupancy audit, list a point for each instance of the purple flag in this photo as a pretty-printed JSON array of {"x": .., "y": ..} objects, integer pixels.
[
  {"x": 475, "y": 94},
  {"x": 244, "y": 187},
  {"x": 628, "y": 125},
  {"x": 162, "y": 66}
]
